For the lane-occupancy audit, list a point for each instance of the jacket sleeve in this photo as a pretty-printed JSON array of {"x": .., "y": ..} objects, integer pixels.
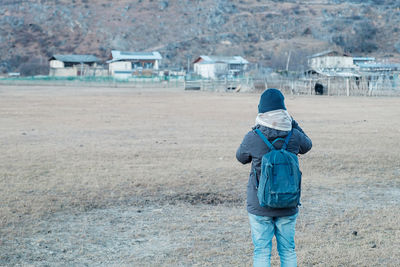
[
  {"x": 305, "y": 141},
  {"x": 295, "y": 125},
  {"x": 242, "y": 153}
]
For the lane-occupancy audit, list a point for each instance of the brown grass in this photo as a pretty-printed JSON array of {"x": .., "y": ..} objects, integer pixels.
[{"x": 128, "y": 176}]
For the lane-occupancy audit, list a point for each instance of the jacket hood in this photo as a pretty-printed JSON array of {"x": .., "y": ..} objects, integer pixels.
[{"x": 270, "y": 133}]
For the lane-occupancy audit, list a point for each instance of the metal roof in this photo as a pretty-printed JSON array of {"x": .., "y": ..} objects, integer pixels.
[
  {"x": 76, "y": 58},
  {"x": 379, "y": 65},
  {"x": 363, "y": 58},
  {"x": 121, "y": 55},
  {"x": 222, "y": 59},
  {"x": 326, "y": 53}
]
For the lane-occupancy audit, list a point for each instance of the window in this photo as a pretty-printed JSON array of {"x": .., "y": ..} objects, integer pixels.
[
  {"x": 136, "y": 65},
  {"x": 148, "y": 65},
  {"x": 235, "y": 66}
]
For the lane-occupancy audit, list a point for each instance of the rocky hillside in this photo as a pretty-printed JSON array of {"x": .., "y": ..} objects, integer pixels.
[{"x": 261, "y": 31}]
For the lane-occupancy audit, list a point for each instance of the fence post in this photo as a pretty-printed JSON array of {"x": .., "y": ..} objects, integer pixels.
[
  {"x": 292, "y": 87},
  {"x": 328, "y": 87},
  {"x": 265, "y": 82}
]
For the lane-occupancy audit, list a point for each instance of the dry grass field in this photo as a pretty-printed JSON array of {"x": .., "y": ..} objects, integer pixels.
[{"x": 114, "y": 176}]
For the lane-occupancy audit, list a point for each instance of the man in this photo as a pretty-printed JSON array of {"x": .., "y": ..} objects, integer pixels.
[{"x": 274, "y": 122}]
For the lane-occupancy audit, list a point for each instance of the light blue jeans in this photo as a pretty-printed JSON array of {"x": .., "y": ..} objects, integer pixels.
[{"x": 263, "y": 229}]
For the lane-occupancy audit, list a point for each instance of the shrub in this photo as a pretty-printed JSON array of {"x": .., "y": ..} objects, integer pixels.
[{"x": 34, "y": 66}]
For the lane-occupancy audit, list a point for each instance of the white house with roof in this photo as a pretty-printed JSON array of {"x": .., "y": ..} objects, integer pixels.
[
  {"x": 331, "y": 60},
  {"x": 214, "y": 67},
  {"x": 125, "y": 64},
  {"x": 75, "y": 65},
  {"x": 333, "y": 63},
  {"x": 333, "y": 70}
]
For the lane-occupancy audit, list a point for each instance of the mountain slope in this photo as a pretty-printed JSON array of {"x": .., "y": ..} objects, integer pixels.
[{"x": 262, "y": 31}]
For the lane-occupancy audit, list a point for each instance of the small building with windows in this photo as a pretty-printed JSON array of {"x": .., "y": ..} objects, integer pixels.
[
  {"x": 340, "y": 73},
  {"x": 333, "y": 63},
  {"x": 75, "y": 65},
  {"x": 215, "y": 67},
  {"x": 331, "y": 60},
  {"x": 124, "y": 65}
]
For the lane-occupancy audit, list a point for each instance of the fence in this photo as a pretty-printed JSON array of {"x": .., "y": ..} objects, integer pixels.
[
  {"x": 374, "y": 85},
  {"x": 92, "y": 81},
  {"x": 219, "y": 85},
  {"x": 177, "y": 82},
  {"x": 378, "y": 85}
]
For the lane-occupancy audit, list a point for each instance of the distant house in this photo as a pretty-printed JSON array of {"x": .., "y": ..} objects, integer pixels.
[
  {"x": 368, "y": 65},
  {"x": 74, "y": 65},
  {"x": 363, "y": 60},
  {"x": 215, "y": 67},
  {"x": 333, "y": 63},
  {"x": 331, "y": 60},
  {"x": 332, "y": 70},
  {"x": 126, "y": 64}
]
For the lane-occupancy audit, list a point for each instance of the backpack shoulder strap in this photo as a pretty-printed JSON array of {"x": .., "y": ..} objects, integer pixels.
[
  {"x": 287, "y": 140},
  {"x": 278, "y": 139},
  {"x": 264, "y": 139}
]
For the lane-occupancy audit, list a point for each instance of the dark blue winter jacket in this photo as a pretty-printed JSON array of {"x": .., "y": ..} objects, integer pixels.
[{"x": 252, "y": 149}]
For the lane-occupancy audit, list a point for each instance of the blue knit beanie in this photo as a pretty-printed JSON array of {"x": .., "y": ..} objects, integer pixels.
[{"x": 271, "y": 99}]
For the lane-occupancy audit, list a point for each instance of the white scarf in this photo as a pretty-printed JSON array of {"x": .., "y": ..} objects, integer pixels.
[{"x": 276, "y": 119}]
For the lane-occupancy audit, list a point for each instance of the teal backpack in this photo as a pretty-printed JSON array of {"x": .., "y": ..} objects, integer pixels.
[{"x": 280, "y": 180}]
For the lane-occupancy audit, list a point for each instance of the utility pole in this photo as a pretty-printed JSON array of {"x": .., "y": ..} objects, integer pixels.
[
  {"x": 288, "y": 60},
  {"x": 188, "y": 63}
]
